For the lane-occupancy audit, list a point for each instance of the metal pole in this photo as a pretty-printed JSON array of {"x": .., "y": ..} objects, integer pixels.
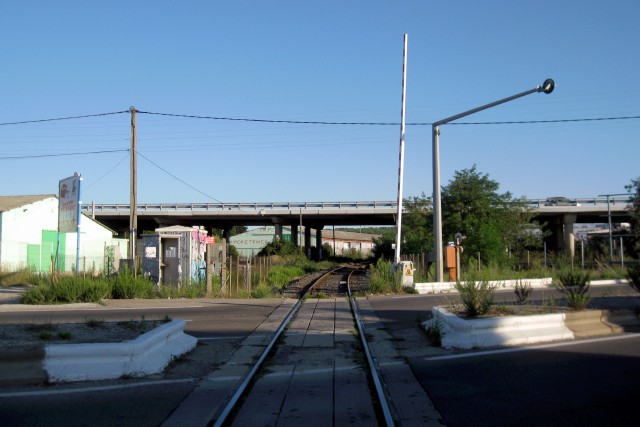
[
  {"x": 79, "y": 215},
  {"x": 610, "y": 231},
  {"x": 437, "y": 214},
  {"x": 133, "y": 201},
  {"x": 401, "y": 166},
  {"x": 621, "y": 252},
  {"x": 546, "y": 87}
]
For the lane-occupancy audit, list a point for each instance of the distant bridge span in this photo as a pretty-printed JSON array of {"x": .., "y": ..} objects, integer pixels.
[{"x": 316, "y": 215}]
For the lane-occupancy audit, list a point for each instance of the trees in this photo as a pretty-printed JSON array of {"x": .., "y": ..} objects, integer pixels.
[
  {"x": 634, "y": 212},
  {"x": 492, "y": 222},
  {"x": 417, "y": 229}
]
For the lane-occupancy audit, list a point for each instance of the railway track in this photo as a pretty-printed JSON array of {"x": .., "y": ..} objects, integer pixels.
[{"x": 317, "y": 368}]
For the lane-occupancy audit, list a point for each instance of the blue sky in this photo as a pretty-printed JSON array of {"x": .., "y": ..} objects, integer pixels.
[{"x": 336, "y": 61}]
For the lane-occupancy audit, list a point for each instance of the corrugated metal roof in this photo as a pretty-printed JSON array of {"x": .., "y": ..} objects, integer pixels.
[{"x": 8, "y": 203}]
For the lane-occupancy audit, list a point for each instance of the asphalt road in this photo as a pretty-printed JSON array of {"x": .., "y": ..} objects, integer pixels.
[
  {"x": 593, "y": 383},
  {"x": 222, "y": 324},
  {"x": 589, "y": 383},
  {"x": 586, "y": 383}
]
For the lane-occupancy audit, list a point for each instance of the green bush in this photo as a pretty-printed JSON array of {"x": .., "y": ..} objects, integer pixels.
[
  {"x": 261, "y": 291},
  {"x": 574, "y": 283},
  {"x": 382, "y": 280},
  {"x": 476, "y": 294},
  {"x": 522, "y": 290},
  {"x": 126, "y": 285},
  {"x": 633, "y": 274},
  {"x": 280, "y": 275},
  {"x": 39, "y": 295},
  {"x": 95, "y": 290}
]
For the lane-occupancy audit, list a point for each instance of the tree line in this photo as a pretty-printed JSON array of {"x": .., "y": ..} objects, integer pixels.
[{"x": 496, "y": 225}]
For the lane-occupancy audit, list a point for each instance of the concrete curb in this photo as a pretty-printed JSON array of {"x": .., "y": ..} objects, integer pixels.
[
  {"x": 449, "y": 287},
  {"x": 150, "y": 353},
  {"x": 498, "y": 331},
  {"x": 517, "y": 330}
]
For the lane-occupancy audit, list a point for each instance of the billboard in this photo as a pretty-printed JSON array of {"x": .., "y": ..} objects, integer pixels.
[{"x": 69, "y": 204}]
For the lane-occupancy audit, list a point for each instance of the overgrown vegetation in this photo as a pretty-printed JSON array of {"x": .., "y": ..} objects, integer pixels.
[
  {"x": 574, "y": 283},
  {"x": 435, "y": 331},
  {"x": 476, "y": 294},
  {"x": 522, "y": 290}
]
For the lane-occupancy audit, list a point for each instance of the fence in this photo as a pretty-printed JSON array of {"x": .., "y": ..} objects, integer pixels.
[{"x": 242, "y": 274}]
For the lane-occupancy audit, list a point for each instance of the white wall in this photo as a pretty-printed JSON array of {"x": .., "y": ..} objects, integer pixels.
[{"x": 22, "y": 226}]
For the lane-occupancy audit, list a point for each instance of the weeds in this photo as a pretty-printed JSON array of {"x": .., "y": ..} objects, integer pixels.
[
  {"x": 476, "y": 294},
  {"x": 523, "y": 290},
  {"x": 435, "y": 331},
  {"x": 574, "y": 284}
]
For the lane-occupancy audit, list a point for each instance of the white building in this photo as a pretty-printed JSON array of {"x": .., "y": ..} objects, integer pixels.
[{"x": 29, "y": 238}]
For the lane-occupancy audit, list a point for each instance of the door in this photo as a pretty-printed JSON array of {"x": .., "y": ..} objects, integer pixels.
[{"x": 170, "y": 263}]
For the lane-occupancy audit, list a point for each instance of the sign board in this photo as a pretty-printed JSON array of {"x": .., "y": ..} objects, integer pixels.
[
  {"x": 210, "y": 240},
  {"x": 69, "y": 204}
]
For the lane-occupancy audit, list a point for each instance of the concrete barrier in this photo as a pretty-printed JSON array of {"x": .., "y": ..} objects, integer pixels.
[
  {"x": 498, "y": 331},
  {"x": 148, "y": 354},
  {"x": 445, "y": 287}
]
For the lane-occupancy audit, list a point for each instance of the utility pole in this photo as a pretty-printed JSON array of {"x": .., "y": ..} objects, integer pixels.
[{"x": 133, "y": 199}]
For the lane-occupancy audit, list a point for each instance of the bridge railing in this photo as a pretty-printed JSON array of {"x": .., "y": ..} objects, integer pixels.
[
  {"x": 111, "y": 207},
  {"x": 253, "y": 206},
  {"x": 591, "y": 201}
]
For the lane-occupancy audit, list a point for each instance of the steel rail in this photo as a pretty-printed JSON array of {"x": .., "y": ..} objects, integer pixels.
[
  {"x": 250, "y": 376},
  {"x": 373, "y": 366}
]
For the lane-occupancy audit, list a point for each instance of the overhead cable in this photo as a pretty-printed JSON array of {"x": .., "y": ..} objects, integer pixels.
[
  {"x": 63, "y": 118},
  {"x": 311, "y": 122},
  {"x": 81, "y": 153},
  {"x": 176, "y": 178}
]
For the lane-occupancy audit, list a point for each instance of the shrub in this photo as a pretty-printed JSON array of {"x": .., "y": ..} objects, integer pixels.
[
  {"x": 261, "y": 291},
  {"x": 38, "y": 295},
  {"x": 574, "y": 284},
  {"x": 633, "y": 274},
  {"x": 280, "y": 275},
  {"x": 382, "y": 280},
  {"x": 523, "y": 290},
  {"x": 435, "y": 331},
  {"x": 127, "y": 286},
  {"x": 476, "y": 294}
]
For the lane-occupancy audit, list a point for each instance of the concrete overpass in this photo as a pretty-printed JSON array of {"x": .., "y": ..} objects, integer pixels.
[{"x": 560, "y": 219}]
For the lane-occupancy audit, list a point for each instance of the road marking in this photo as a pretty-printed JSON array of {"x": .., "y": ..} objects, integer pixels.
[
  {"x": 535, "y": 347},
  {"x": 93, "y": 389}
]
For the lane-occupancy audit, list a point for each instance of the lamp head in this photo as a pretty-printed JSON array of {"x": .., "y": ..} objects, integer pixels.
[{"x": 547, "y": 86}]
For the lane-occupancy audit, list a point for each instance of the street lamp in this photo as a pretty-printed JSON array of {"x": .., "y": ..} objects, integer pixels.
[{"x": 546, "y": 87}]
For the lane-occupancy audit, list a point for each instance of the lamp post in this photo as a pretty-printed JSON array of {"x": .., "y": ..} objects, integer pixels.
[{"x": 546, "y": 87}]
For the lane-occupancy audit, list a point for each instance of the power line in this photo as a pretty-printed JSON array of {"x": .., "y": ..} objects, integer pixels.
[
  {"x": 300, "y": 122},
  {"x": 312, "y": 122},
  {"x": 38, "y": 156},
  {"x": 315, "y": 122},
  {"x": 176, "y": 178},
  {"x": 63, "y": 118}
]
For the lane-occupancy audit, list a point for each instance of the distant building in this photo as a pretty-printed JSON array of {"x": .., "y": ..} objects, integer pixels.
[
  {"x": 347, "y": 242},
  {"x": 251, "y": 242},
  {"x": 29, "y": 238}
]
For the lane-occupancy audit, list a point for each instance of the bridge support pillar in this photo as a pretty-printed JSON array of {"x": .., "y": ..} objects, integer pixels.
[
  {"x": 307, "y": 241},
  {"x": 569, "y": 237},
  {"x": 278, "y": 231},
  {"x": 319, "y": 243},
  {"x": 294, "y": 234},
  {"x": 226, "y": 234}
]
